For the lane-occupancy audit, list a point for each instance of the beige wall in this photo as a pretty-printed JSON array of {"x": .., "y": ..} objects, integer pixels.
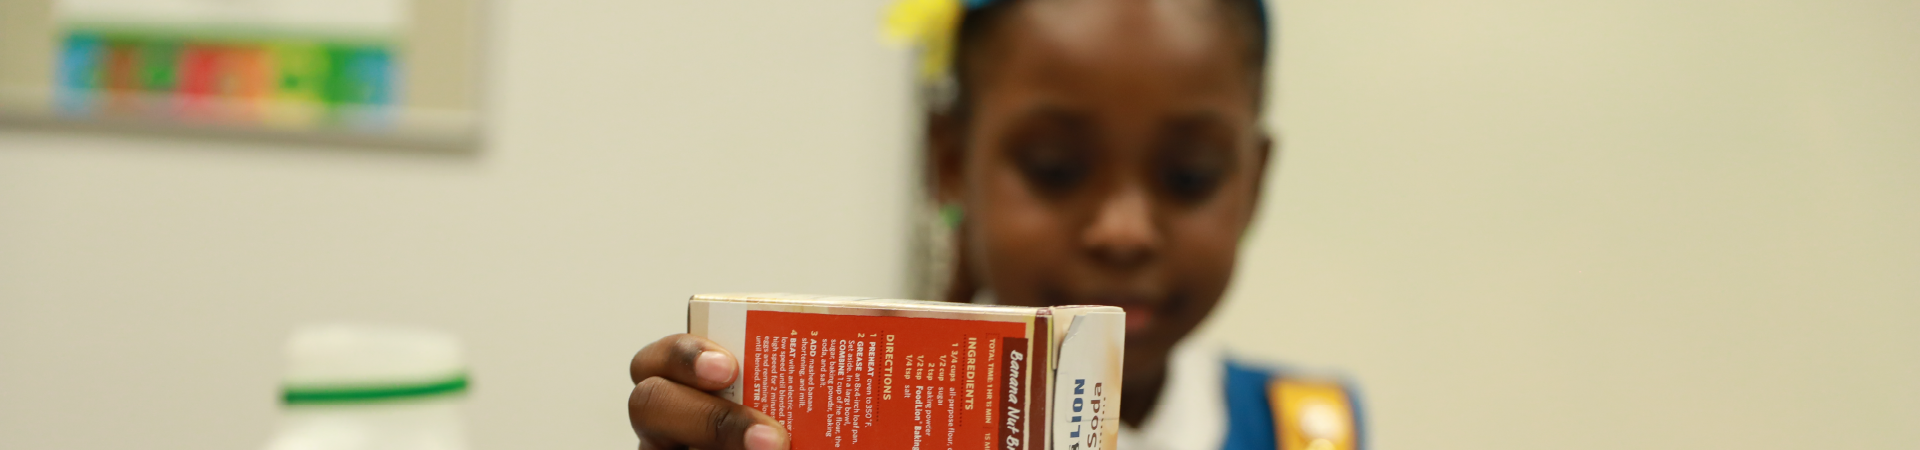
[
  {"x": 1599, "y": 225},
  {"x": 1522, "y": 225}
]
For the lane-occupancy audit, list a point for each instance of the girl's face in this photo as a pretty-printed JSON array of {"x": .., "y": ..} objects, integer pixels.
[{"x": 1112, "y": 156}]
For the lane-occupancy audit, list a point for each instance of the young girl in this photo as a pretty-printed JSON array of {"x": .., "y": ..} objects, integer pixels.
[{"x": 1103, "y": 152}]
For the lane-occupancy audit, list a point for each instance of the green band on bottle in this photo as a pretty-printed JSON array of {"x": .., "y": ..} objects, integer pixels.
[{"x": 311, "y": 395}]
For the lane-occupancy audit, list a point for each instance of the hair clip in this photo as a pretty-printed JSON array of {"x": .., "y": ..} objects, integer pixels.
[{"x": 931, "y": 26}]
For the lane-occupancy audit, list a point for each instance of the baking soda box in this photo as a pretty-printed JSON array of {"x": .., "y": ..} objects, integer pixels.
[{"x": 881, "y": 374}]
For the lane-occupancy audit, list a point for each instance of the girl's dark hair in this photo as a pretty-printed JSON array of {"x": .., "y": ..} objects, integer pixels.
[{"x": 1247, "y": 17}]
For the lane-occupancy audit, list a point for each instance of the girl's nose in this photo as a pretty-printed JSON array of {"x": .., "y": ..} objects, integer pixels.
[{"x": 1123, "y": 232}]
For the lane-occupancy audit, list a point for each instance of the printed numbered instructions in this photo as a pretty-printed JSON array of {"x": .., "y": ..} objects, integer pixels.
[{"x": 887, "y": 383}]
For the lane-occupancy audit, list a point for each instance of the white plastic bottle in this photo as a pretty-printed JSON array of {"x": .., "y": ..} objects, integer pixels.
[{"x": 356, "y": 387}]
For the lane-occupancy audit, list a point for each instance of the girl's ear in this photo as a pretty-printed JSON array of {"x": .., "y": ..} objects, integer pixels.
[
  {"x": 946, "y": 158},
  {"x": 946, "y": 182},
  {"x": 962, "y": 285},
  {"x": 1266, "y": 153}
]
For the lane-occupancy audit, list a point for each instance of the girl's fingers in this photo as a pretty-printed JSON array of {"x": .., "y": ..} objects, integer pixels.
[
  {"x": 685, "y": 359},
  {"x": 669, "y": 415}
]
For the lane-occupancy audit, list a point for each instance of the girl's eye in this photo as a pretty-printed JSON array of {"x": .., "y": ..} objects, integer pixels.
[
  {"x": 1195, "y": 159},
  {"x": 1191, "y": 182},
  {"x": 1052, "y": 171},
  {"x": 1193, "y": 172}
]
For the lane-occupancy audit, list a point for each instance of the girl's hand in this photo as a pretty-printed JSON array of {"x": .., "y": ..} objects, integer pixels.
[{"x": 672, "y": 406}]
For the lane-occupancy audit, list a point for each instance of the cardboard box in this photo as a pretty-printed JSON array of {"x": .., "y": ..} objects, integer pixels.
[{"x": 881, "y": 374}]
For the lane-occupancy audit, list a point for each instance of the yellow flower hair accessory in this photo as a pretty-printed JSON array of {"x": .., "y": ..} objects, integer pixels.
[{"x": 930, "y": 25}]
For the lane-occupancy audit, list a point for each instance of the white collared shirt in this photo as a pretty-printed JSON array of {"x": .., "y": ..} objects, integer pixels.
[{"x": 1192, "y": 411}]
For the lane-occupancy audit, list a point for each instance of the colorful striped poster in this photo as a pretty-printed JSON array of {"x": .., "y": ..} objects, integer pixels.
[{"x": 297, "y": 64}]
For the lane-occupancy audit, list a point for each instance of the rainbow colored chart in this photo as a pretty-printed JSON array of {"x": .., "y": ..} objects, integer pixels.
[{"x": 200, "y": 75}]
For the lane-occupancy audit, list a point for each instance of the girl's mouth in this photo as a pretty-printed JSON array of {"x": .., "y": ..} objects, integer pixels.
[
  {"x": 1139, "y": 318},
  {"x": 1141, "y": 314}
]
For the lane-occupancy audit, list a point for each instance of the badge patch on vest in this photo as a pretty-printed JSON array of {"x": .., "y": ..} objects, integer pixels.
[{"x": 1312, "y": 415}]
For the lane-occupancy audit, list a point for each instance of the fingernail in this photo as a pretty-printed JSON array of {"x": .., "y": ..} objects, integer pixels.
[
  {"x": 713, "y": 366},
  {"x": 762, "y": 437}
]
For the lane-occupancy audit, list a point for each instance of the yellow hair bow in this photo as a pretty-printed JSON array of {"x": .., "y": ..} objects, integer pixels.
[{"x": 931, "y": 25}]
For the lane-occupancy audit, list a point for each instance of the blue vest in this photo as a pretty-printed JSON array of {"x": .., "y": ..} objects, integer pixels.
[{"x": 1281, "y": 409}]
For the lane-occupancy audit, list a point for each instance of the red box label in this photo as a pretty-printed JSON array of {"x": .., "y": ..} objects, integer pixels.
[{"x": 887, "y": 383}]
